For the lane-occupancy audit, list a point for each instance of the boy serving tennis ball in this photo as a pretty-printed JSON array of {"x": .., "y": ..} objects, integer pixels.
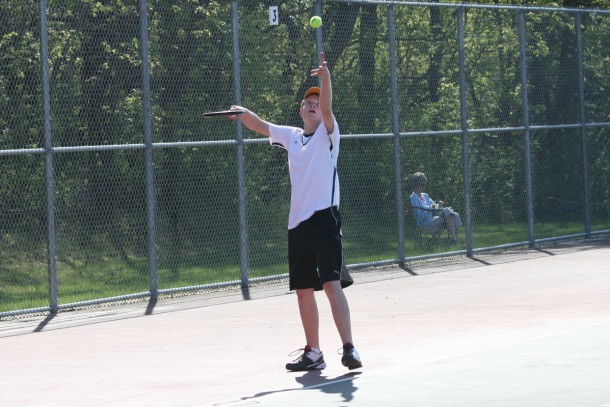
[{"x": 314, "y": 225}]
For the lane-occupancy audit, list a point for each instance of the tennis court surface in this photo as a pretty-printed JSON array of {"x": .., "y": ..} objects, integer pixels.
[{"x": 528, "y": 327}]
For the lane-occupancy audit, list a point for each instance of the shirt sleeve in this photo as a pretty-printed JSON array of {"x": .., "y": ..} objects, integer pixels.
[
  {"x": 414, "y": 200},
  {"x": 280, "y": 135},
  {"x": 335, "y": 135}
]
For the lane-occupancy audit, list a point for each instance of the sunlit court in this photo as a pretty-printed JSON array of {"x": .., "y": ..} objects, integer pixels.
[
  {"x": 528, "y": 327},
  {"x": 338, "y": 203}
]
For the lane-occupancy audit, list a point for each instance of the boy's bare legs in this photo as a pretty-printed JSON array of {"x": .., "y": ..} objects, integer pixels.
[
  {"x": 308, "y": 308},
  {"x": 310, "y": 320},
  {"x": 340, "y": 310}
]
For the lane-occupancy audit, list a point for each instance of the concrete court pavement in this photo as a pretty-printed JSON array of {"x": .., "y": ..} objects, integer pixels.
[{"x": 528, "y": 327}]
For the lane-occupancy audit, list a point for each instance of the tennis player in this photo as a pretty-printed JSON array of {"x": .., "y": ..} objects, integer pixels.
[{"x": 314, "y": 224}]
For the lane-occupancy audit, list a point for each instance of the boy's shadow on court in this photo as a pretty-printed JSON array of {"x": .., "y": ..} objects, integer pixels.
[
  {"x": 343, "y": 385},
  {"x": 315, "y": 380}
]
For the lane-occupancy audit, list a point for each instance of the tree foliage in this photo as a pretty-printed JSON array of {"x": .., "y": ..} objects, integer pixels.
[{"x": 95, "y": 72}]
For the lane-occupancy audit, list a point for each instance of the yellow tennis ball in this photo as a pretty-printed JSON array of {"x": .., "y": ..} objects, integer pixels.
[{"x": 315, "y": 22}]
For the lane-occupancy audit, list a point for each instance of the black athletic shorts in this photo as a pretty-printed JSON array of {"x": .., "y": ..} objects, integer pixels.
[{"x": 315, "y": 251}]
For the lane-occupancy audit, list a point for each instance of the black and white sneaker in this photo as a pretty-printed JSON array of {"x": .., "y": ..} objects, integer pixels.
[
  {"x": 309, "y": 360},
  {"x": 350, "y": 358}
]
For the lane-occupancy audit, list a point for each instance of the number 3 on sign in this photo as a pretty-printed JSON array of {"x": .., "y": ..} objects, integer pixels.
[{"x": 273, "y": 15}]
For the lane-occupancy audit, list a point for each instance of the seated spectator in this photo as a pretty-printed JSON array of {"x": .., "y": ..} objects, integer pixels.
[{"x": 430, "y": 216}]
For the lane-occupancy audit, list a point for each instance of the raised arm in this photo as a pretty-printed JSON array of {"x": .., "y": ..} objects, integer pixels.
[
  {"x": 251, "y": 121},
  {"x": 326, "y": 94}
]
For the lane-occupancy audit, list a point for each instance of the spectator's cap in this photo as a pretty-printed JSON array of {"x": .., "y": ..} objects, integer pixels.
[{"x": 314, "y": 90}]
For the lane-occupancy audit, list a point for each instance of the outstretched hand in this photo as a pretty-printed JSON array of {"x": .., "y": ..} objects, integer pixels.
[
  {"x": 236, "y": 116},
  {"x": 322, "y": 71}
]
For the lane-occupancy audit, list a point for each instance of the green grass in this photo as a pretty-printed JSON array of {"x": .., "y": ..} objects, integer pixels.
[{"x": 24, "y": 278}]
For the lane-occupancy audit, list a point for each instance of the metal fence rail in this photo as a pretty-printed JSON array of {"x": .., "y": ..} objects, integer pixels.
[{"x": 116, "y": 188}]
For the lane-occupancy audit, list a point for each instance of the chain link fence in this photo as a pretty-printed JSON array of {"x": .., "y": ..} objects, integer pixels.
[{"x": 114, "y": 187}]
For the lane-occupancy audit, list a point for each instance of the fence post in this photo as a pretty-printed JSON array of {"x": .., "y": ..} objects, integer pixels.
[
  {"x": 464, "y": 127},
  {"x": 148, "y": 151},
  {"x": 396, "y": 132},
  {"x": 317, "y": 11},
  {"x": 527, "y": 142},
  {"x": 48, "y": 148},
  {"x": 241, "y": 183},
  {"x": 583, "y": 128}
]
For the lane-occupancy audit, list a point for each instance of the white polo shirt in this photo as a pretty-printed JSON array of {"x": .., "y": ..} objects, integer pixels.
[{"x": 312, "y": 164}]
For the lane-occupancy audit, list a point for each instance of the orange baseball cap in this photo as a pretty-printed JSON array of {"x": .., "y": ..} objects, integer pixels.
[{"x": 314, "y": 90}]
